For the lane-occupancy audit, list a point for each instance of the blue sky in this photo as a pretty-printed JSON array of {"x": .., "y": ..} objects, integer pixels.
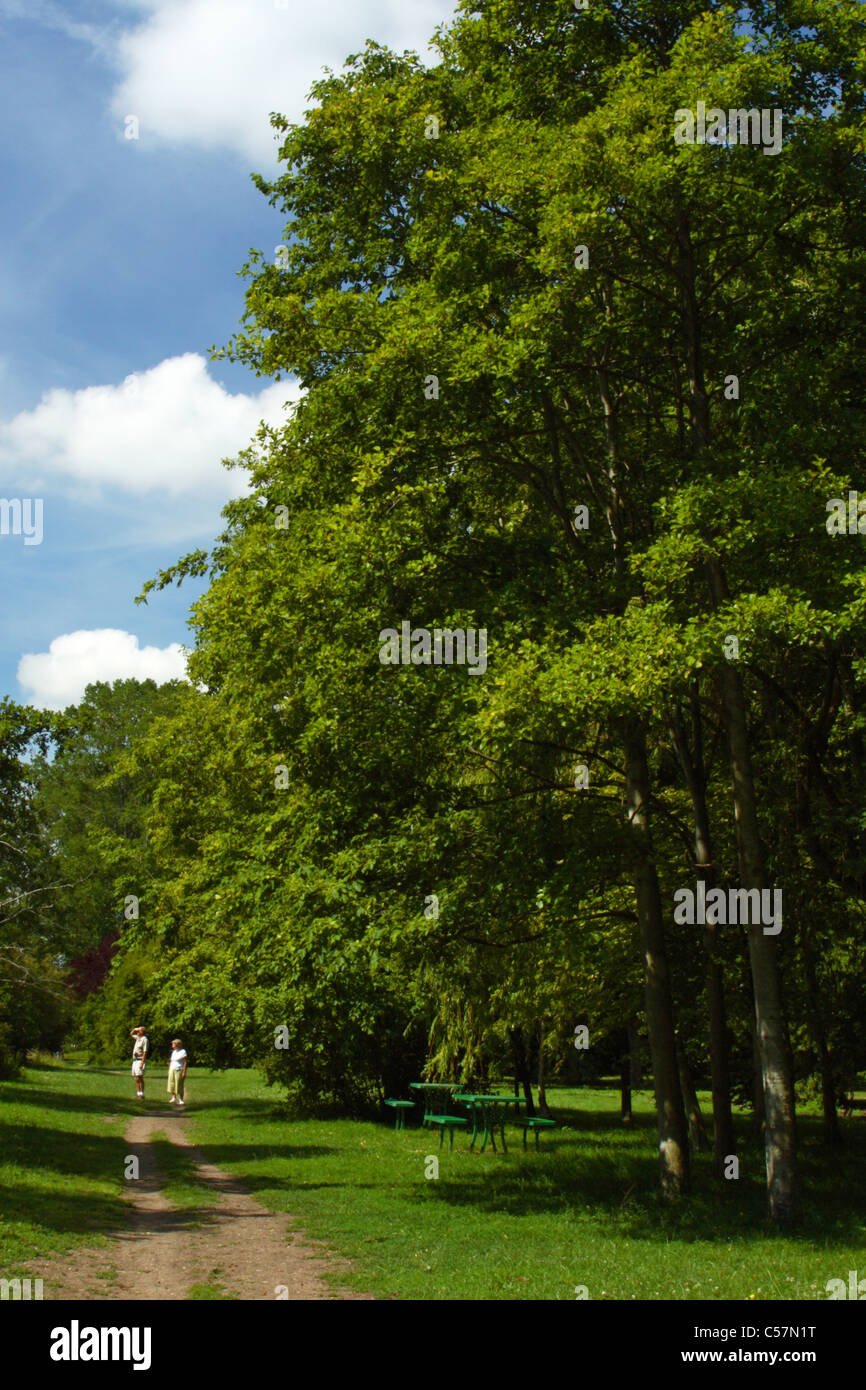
[{"x": 119, "y": 272}]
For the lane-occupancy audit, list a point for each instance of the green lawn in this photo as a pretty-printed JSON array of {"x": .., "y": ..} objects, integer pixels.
[
  {"x": 61, "y": 1159},
  {"x": 580, "y": 1212}
]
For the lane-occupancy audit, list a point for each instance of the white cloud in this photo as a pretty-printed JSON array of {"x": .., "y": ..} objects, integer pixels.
[
  {"x": 162, "y": 430},
  {"x": 58, "y": 677},
  {"x": 209, "y": 72}
]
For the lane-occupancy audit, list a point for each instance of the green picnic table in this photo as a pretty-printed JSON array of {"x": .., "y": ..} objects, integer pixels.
[
  {"x": 436, "y": 1097},
  {"x": 493, "y": 1112}
]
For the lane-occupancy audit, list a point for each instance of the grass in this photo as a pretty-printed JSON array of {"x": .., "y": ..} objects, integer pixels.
[
  {"x": 581, "y": 1211},
  {"x": 210, "y": 1291},
  {"x": 61, "y": 1160},
  {"x": 181, "y": 1183}
]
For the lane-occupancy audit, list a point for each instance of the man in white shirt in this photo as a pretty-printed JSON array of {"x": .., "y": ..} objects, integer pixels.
[
  {"x": 139, "y": 1058},
  {"x": 176, "y": 1073}
]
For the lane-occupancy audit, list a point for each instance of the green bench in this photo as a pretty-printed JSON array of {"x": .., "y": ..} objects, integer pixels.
[
  {"x": 536, "y": 1124},
  {"x": 449, "y": 1122},
  {"x": 398, "y": 1106}
]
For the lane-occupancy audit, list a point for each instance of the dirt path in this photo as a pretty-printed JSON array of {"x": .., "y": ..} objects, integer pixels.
[{"x": 229, "y": 1240}]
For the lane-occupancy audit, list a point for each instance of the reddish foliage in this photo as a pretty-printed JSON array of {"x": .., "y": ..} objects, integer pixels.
[{"x": 88, "y": 972}]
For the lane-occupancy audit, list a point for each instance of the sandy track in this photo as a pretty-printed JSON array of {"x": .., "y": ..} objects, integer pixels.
[{"x": 163, "y": 1251}]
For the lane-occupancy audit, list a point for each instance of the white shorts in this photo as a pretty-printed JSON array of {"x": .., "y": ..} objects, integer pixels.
[{"x": 138, "y": 1067}]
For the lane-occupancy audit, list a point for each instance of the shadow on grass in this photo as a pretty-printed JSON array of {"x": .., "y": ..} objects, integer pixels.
[
  {"x": 616, "y": 1173},
  {"x": 240, "y": 1108},
  {"x": 237, "y": 1153},
  {"x": 222, "y": 1155},
  {"x": 66, "y": 1213},
  {"x": 22, "y": 1093},
  {"x": 17, "y": 1093},
  {"x": 64, "y": 1151},
  {"x": 302, "y": 1185}
]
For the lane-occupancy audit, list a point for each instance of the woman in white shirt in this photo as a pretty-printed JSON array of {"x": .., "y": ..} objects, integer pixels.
[{"x": 176, "y": 1073}]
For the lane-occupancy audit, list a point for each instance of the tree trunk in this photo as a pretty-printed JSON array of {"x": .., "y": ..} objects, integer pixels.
[
  {"x": 724, "y": 1143},
  {"x": 625, "y": 1065},
  {"x": 673, "y": 1140},
  {"x": 542, "y": 1096},
  {"x": 815, "y": 1022},
  {"x": 697, "y": 1129},
  {"x": 521, "y": 1068},
  {"x": 780, "y": 1149},
  {"x": 670, "y": 1116},
  {"x": 694, "y": 771},
  {"x": 635, "y": 1068},
  {"x": 779, "y": 1129},
  {"x": 758, "y": 1117}
]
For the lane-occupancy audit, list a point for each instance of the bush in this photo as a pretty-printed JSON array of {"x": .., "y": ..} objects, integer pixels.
[{"x": 35, "y": 1010}]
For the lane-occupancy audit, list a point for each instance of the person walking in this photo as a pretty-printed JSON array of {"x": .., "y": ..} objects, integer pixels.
[
  {"x": 139, "y": 1058},
  {"x": 176, "y": 1073}
]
